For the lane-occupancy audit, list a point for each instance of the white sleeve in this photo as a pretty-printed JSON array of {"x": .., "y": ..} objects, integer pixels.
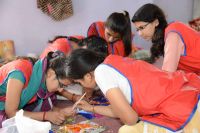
[{"x": 106, "y": 78}]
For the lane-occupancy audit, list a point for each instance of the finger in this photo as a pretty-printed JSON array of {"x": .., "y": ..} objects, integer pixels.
[
  {"x": 81, "y": 102},
  {"x": 80, "y": 106},
  {"x": 60, "y": 120},
  {"x": 60, "y": 116},
  {"x": 73, "y": 113},
  {"x": 58, "y": 123}
]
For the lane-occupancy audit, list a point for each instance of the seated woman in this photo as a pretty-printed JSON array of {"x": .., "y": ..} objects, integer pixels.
[
  {"x": 116, "y": 31},
  {"x": 29, "y": 85},
  {"x": 136, "y": 90},
  {"x": 63, "y": 44}
]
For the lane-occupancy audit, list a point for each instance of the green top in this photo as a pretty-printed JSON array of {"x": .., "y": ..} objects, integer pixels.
[
  {"x": 13, "y": 75},
  {"x": 32, "y": 87}
]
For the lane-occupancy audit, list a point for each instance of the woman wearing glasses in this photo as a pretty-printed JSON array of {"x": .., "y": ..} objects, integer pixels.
[
  {"x": 31, "y": 86},
  {"x": 177, "y": 42},
  {"x": 116, "y": 31}
]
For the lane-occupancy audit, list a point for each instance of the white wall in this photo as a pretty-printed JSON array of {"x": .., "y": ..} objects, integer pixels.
[
  {"x": 196, "y": 10},
  {"x": 181, "y": 10},
  {"x": 21, "y": 21}
]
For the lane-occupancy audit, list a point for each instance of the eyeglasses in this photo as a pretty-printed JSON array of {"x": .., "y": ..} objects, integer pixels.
[
  {"x": 61, "y": 85},
  {"x": 142, "y": 27}
]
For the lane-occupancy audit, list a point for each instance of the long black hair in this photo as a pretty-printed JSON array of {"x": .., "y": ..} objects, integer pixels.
[
  {"x": 57, "y": 61},
  {"x": 148, "y": 13},
  {"x": 120, "y": 23},
  {"x": 96, "y": 44},
  {"x": 81, "y": 62}
]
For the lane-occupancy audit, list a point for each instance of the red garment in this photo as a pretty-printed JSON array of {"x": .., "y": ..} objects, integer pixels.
[
  {"x": 190, "y": 61},
  {"x": 22, "y": 65},
  {"x": 157, "y": 96},
  {"x": 98, "y": 29},
  {"x": 61, "y": 44}
]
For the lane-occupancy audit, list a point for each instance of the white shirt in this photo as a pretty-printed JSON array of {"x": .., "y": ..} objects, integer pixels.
[{"x": 108, "y": 77}]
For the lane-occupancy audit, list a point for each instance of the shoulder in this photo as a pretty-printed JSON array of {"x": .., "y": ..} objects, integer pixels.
[
  {"x": 105, "y": 71},
  {"x": 19, "y": 64},
  {"x": 17, "y": 75},
  {"x": 173, "y": 35},
  {"x": 111, "y": 58},
  {"x": 176, "y": 25},
  {"x": 102, "y": 68},
  {"x": 174, "y": 30},
  {"x": 60, "y": 40},
  {"x": 106, "y": 77},
  {"x": 98, "y": 22}
]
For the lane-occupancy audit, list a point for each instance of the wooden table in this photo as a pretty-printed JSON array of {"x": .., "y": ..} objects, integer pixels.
[{"x": 112, "y": 125}]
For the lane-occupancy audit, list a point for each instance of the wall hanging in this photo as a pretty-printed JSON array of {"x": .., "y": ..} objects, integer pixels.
[{"x": 57, "y": 9}]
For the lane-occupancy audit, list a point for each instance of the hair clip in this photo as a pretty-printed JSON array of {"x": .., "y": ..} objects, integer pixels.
[{"x": 57, "y": 54}]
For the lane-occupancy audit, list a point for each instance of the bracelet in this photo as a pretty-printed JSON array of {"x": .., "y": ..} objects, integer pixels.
[
  {"x": 43, "y": 117},
  {"x": 73, "y": 95}
]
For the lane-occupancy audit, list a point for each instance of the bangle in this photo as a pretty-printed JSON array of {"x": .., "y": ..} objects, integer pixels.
[
  {"x": 73, "y": 95},
  {"x": 43, "y": 117}
]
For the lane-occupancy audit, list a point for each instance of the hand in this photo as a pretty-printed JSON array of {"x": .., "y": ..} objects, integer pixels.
[
  {"x": 68, "y": 111},
  {"x": 56, "y": 117},
  {"x": 85, "y": 106}
]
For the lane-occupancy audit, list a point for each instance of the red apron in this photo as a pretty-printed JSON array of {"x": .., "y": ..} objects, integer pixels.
[
  {"x": 190, "y": 61},
  {"x": 61, "y": 44},
  {"x": 159, "y": 97},
  {"x": 22, "y": 65},
  {"x": 117, "y": 48}
]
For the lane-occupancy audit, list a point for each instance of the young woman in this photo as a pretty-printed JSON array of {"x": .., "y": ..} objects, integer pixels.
[
  {"x": 177, "y": 42},
  {"x": 64, "y": 44},
  {"x": 98, "y": 45},
  {"x": 31, "y": 86},
  {"x": 116, "y": 31},
  {"x": 136, "y": 89}
]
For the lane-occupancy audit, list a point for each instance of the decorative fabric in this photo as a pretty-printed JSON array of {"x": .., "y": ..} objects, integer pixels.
[{"x": 58, "y": 10}]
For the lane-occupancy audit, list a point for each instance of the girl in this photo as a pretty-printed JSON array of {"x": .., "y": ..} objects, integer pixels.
[
  {"x": 116, "y": 31},
  {"x": 64, "y": 44},
  {"x": 99, "y": 45},
  {"x": 177, "y": 42},
  {"x": 136, "y": 89},
  {"x": 31, "y": 86}
]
